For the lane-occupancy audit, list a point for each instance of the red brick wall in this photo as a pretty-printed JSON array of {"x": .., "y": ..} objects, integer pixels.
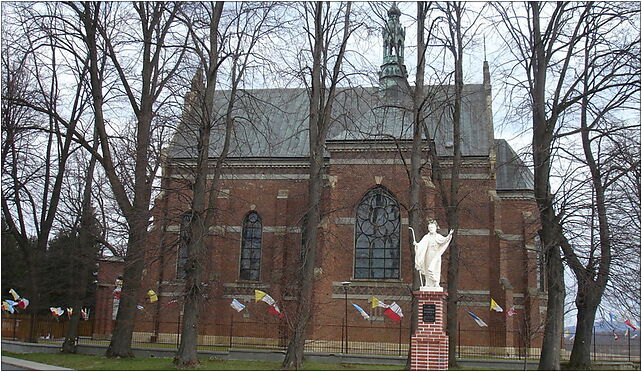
[{"x": 485, "y": 256}]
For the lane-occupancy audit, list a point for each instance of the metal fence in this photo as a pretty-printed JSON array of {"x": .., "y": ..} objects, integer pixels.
[{"x": 373, "y": 339}]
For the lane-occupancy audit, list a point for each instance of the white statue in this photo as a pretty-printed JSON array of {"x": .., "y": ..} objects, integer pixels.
[{"x": 428, "y": 253}]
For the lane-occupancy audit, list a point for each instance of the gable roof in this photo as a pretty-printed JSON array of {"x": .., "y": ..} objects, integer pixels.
[
  {"x": 512, "y": 173},
  {"x": 274, "y": 122}
]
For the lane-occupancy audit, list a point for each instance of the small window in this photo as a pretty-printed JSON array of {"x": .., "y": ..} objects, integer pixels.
[
  {"x": 541, "y": 265},
  {"x": 183, "y": 241},
  {"x": 251, "y": 247},
  {"x": 377, "y": 236}
]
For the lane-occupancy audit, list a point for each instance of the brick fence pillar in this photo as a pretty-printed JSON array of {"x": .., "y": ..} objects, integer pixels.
[{"x": 429, "y": 344}]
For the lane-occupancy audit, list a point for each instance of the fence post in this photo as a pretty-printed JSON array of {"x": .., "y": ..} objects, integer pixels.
[
  {"x": 594, "y": 346},
  {"x": 231, "y": 328},
  {"x": 93, "y": 325},
  {"x": 178, "y": 330},
  {"x": 342, "y": 333},
  {"x": 629, "y": 343},
  {"x": 399, "y": 337},
  {"x": 15, "y": 320},
  {"x": 459, "y": 340}
]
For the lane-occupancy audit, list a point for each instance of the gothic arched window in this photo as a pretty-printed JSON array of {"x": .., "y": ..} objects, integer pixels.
[
  {"x": 183, "y": 241},
  {"x": 251, "y": 247},
  {"x": 377, "y": 236}
]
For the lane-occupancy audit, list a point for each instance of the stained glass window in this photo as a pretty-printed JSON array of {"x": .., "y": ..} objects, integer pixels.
[
  {"x": 377, "y": 236},
  {"x": 183, "y": 241},
  {"x": 251, "y": 247}
]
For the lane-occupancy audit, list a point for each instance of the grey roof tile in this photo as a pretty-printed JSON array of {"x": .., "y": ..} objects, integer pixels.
[
  {"x": 273, "y": 122},
  {"x": 512, "y": 173}
]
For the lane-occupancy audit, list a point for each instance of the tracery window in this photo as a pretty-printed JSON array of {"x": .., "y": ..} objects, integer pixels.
[
  {"x": 183, "y": 241},
  {"x": 251, "y": 247},
  {"x": 377, "y": 236}
]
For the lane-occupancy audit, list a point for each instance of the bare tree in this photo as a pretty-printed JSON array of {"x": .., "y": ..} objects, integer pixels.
[
  {"x": 610, "y": 80},
  {"x": 234, "y": 41},
  {"x": 152, "y": 25},
  {"x": 550, "y": 50},
  {"x": 84, "y": 256},
  {"x": 320, "y": 25},
  {"x": 31, "y": 195}
]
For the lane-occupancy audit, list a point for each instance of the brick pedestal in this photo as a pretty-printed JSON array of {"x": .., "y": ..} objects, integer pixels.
[{"x": 429, "y": 344}]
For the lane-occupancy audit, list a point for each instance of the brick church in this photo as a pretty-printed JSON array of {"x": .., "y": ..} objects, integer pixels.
[{"x": 256, "y": 239}]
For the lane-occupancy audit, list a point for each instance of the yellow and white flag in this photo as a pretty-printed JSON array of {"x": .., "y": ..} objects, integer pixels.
[
  {"x": 15, "y": 294},
  {"x": 153, "y": 297},
  {"x": 375, "y": 302},
  {"x": 262, "y": 296},
  {"x": 495, "y": 306}
]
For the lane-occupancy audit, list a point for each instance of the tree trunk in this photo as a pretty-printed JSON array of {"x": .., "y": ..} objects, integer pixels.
[
  {"x": 294, "y": 355},
  {"x": 416, "y": 211},
  {"x": 591, "y": 281},
  {"x": 581, "y": 353},
  {"x": 452, "y": 208},
  {"x": 120, "y": 345},
  {"x": 85, "y": 254},
  {"x": 542, "y": 142}
]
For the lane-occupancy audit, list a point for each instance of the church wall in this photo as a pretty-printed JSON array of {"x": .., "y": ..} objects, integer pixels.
[{"x": 279, "y": 196}]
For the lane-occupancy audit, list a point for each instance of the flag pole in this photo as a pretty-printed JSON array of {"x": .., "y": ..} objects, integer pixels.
[
  {"x": 231, "y": 327},
  {"x": 345, "y": 290}
]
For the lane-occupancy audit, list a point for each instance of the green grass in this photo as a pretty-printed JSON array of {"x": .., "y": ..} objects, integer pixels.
[{"x": 101, "y": 363}]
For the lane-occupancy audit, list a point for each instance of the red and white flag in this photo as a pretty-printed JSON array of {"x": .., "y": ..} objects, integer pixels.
[
  {"x": 394, "y": 312},
  {"x": 511, "y": 311},
  {"x": 628, "y": 322}
]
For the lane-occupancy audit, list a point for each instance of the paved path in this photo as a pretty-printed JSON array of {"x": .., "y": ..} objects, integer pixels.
[
  {"x": 9, "y": 367},
  {"x": 15, "y": 364}
]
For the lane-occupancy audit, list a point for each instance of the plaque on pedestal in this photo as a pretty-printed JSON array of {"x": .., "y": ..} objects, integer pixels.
[{"x": 429, "y": 344}]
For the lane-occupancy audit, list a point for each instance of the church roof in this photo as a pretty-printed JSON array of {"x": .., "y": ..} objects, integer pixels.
[
  {"x": 512, "y": 173},
  {"x": 274, "y": 122}
]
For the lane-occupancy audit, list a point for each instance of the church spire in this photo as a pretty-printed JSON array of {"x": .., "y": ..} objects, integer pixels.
[{"x": 393, "y": 69}]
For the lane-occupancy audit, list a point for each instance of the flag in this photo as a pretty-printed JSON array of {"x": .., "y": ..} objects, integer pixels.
[
  {"x": 262, "y": 296},
  {"x": 118, "y": 289},
  {"x": 9, "y": 305},
  {"x": 626, "y": 334},
  {"x": 275, "y": 310},
  {"x": 23, "y": 303},
  {"x": 84, "y": 313},
  {"x": 511, "y": 311},
  {"x": 377, "y": 303},
  {"x": 495, "y": 306},
  {"x": 628, "y": 322},
  {"x": 140, "y": 307},
  {"x": 615, "y": 318},
  {"x": 634, "y": 335},
  {"x": 15, "y": 294},
  {"x": 477, "y": 320},
  {"x": 69, "y": 312},
  {"x": 615, "y": 336},
  {"x": 237, "y": 305},
  {"x": 153, "y": 297},
  {"x": 393, "y": 312},
  {"x": 56, "y": 311},
  {"x": 361, "y": 311}
]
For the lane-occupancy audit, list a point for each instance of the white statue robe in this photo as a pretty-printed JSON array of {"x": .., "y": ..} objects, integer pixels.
[{"x": 428, "y": 256}]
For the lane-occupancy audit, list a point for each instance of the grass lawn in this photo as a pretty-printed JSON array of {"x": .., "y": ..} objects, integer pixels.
[{"x": 100, "y": 363}]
